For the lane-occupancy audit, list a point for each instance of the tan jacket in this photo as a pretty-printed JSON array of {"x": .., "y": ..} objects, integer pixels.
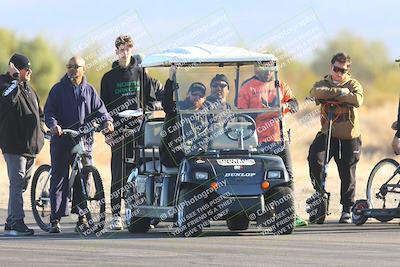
[{"x": 346, "y": 124}]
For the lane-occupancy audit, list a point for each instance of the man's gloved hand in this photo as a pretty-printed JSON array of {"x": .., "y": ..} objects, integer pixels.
[
  {"x": 344, "y": 91},
  {"x": 293, "y": 105}
]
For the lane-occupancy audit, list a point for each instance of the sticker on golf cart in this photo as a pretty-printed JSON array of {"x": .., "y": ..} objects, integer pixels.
[
  {"x": 238, "y": 174},
  {"x": 236, "y": 162}
]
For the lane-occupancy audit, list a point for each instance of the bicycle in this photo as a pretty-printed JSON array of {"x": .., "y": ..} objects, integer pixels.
[
  {"x": 383, "y": 194},
  {"x": 93, "y": 207}
]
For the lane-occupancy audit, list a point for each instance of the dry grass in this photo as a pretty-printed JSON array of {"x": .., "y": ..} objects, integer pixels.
[{"x": 376, "y": 139}]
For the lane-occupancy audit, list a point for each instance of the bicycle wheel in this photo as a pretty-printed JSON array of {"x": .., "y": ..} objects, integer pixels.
[
  {"x": 380, "y": 187},
  {"x": 40, "y": 197},
  {"x": 95, "y": 206}
]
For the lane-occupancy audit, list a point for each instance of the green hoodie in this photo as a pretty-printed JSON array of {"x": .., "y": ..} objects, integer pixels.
[{"x": 346, "y": 123}]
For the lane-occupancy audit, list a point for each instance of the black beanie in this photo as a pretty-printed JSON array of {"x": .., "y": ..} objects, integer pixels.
[
  {"x": 220, "y": 77},
  {"x": 20, "y": 61}
]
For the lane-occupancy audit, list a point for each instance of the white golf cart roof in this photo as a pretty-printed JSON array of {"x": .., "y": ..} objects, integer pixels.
[{"x": 204, "y": 54}]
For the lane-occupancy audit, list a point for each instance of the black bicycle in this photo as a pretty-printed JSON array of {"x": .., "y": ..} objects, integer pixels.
[
  {"x": 93, "y": 205},
  {"x": 383, "y": 194}
]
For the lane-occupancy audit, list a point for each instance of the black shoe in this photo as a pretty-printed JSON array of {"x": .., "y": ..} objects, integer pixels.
[
  {"x": 55, "y": 227},
  {"x": 81, "y": 225},
  {"x": 7, "y": 227},
  {"x": 18, "y": 228}
]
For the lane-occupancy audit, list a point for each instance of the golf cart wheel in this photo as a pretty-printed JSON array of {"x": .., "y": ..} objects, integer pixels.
[
  {"x": 237, "y": 223},
  {"x": 190, "y": 222},
  {"x": 135, "y": 224},
  {"x": 95, "y": 200},
  {"x": 139, "y": 225},
  {"x": 356, "y": 216},
  {"x": 40, "y": 197},
  {"x": 281, "y": 204},
  {"x": 379, "y": 197}
]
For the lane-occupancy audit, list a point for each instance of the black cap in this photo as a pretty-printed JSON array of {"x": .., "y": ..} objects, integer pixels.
[
  {"x": 20, "y": 61},
  {"x": 220, "y": 77},
  {"x": 197, "y": 86}
]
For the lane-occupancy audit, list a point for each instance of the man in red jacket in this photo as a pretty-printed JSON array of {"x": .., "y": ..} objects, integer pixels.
[{"x": 259, "y": 92}]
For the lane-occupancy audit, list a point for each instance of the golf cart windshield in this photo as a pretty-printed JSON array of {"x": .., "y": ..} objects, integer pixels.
[
  {"x": 223, "y": 118},
  {"x": 217, "y": 106}
]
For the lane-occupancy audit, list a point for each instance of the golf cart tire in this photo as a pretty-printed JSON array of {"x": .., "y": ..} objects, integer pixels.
[
  {"x": 237, "y": 223},
  {"x": 185, "y": 226},
  {"x": 139, "y": 225},
  {"x": 283, "y": 219}
]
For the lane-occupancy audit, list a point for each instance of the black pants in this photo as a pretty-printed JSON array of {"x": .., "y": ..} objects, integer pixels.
[
  {"x": 346, "y": 154},
  {"x": 117, "y": 179},
  {"x": 283, "y": 151}
]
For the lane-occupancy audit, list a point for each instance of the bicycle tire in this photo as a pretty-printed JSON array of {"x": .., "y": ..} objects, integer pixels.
[
  {"x": 392, "y": 164},
  {"x": 38, "y": 200},
  {"x": 95, "y": 200}
]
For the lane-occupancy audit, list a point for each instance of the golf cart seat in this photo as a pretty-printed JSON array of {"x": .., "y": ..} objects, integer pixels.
[
  {"x": 150, "y": 168},
  {"x": 152, "y": 140},
  {"x": 221, "y": 141}
]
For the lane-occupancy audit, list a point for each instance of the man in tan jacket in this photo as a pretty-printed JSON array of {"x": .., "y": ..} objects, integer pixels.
[{"x": 345, "y": 145}]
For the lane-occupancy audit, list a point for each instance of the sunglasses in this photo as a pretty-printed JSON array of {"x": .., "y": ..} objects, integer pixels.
[
  {"x": 341, "y": 70},
  {"x": 73, "y": 66},
  {"x": 219, "y": 85},
  {"x": 197, "y": 94}
]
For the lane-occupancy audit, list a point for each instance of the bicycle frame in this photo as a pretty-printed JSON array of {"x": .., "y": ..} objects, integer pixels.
[{"x": 389, "y": 188}]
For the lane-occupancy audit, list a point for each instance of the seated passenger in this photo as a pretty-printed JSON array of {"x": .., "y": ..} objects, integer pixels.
[{"x": 171, "y": 152}]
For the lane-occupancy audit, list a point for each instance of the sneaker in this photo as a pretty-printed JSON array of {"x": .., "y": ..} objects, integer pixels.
[
  {"x": 345, "y": 218},
  {"x": 81, "y": 225},
  {"x": 55, "y": 227},
  {"x": 299, "y": 222},
  {"x": 18, "y": 228},
  {"x": 116, "y": 223}
]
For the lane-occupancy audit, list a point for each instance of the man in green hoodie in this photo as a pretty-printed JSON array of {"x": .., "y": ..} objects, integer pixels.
[
  {"x": 120, "y": 90},
  {"x": 345, "y": 145}
]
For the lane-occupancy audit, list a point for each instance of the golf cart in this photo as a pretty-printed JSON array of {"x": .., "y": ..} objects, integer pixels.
[{"x": 223, "y": 174}]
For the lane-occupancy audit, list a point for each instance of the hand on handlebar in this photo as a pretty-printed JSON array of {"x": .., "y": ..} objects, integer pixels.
[
  {"x": 108, "y": 127},
  {"x": 56, "y": 130}
]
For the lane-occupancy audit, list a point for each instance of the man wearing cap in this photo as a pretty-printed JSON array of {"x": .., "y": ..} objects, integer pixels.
[
  {"x": 21, "y": 137},
  {"x": 72, "y": 104},
  {"x": 260, "y": 92},
  {"x": 120, "y": 90},
  {"x": 170, "y": 151}
]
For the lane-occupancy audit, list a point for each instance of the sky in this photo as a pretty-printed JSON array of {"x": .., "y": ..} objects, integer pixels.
[{"x": 157, "y": 25}]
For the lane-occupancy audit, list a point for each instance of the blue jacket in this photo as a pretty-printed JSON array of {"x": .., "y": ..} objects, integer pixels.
[{"x": 64, "y": 109}]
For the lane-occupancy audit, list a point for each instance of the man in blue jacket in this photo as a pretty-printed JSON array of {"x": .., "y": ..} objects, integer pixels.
[{"x": 72, "y": 103}]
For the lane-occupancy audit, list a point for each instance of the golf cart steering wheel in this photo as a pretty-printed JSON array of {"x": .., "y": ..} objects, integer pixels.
[{"x": 234, "y": 134}]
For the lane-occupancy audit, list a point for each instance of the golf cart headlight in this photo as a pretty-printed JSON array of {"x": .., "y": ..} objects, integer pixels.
[
  {"x": 201, "y": 175},
  {"x": 274, "y": 175}
]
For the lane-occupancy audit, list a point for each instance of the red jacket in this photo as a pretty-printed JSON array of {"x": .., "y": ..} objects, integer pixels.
[{"x": 257, "y": 94}]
